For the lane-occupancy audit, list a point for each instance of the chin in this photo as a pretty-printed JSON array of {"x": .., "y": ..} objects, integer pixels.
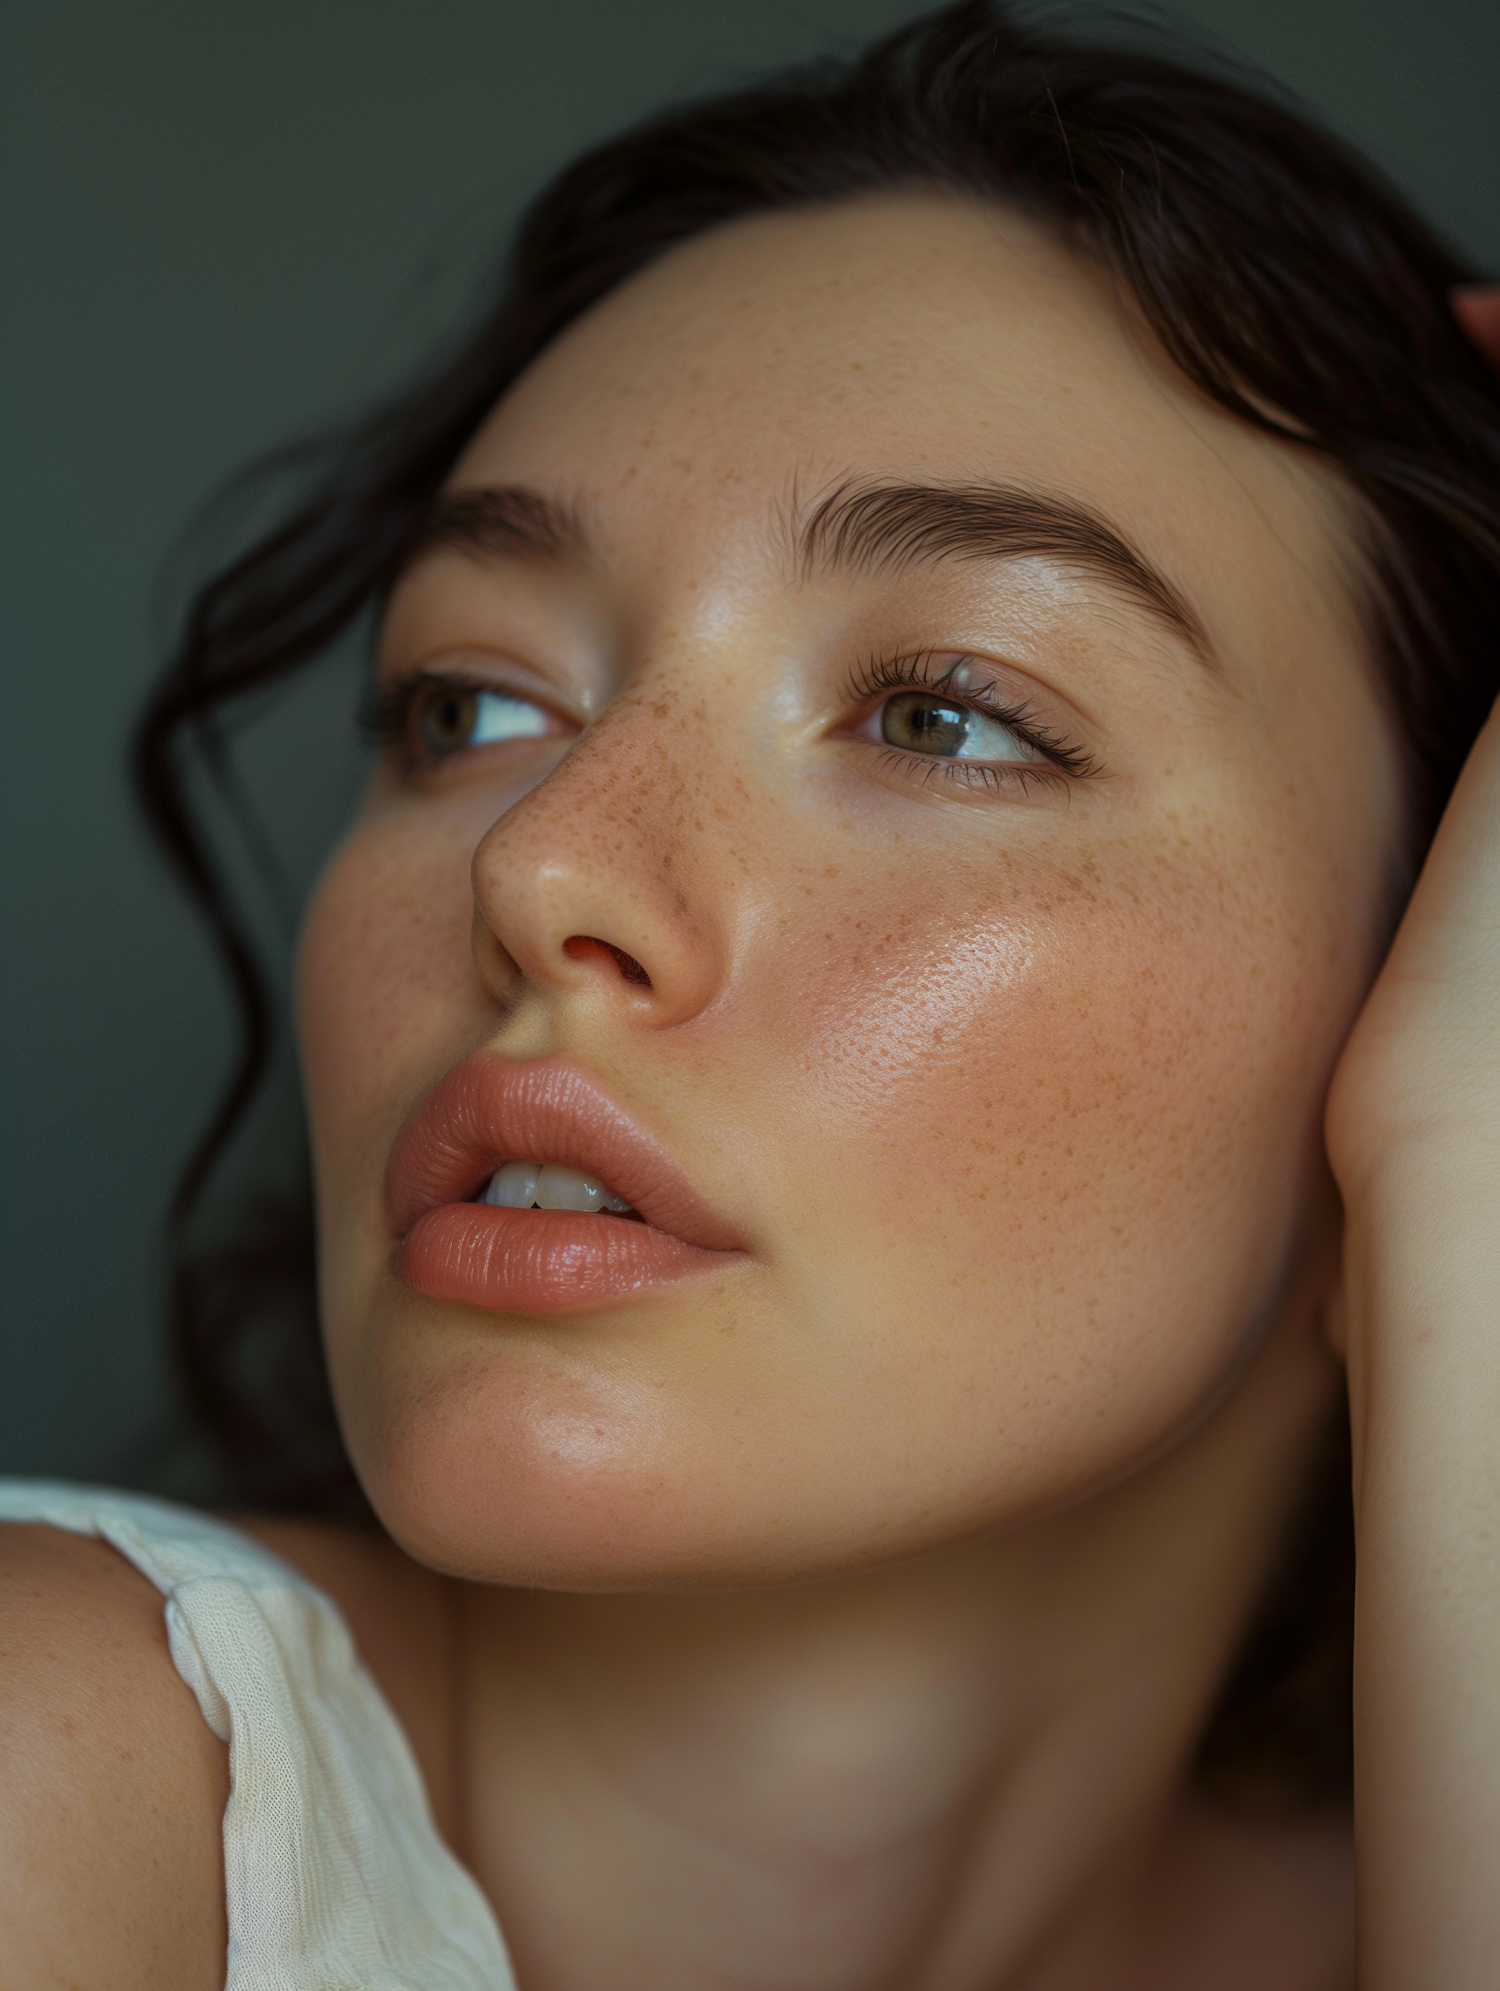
[
  {"x": 509, "y": 1472},
  {"x": 511, "y": 1450},
  {"x": 515, "y": 1452}
]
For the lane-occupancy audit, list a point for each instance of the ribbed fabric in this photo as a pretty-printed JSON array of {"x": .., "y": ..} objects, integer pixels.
[{"x": 336, "y": 1878}]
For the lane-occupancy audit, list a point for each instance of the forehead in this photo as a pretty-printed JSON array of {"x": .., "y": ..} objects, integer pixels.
[{"x": 917, "y": 337}]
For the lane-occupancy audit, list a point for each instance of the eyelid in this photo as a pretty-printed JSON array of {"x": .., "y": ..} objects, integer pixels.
[{"x": 480, "y": 669}]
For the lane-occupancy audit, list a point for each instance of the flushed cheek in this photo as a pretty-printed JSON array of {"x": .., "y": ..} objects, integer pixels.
[{"x": 1077, "y": 1129}]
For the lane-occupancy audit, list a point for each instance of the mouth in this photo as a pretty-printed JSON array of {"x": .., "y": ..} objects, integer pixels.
[{"x": 518, "y": 1187}]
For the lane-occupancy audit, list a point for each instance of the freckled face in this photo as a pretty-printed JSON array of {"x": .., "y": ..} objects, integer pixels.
[{"x": 998, "y": 944}]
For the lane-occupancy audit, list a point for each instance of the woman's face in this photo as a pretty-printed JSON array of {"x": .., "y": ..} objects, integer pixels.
[{"x": 890, "y": 781}]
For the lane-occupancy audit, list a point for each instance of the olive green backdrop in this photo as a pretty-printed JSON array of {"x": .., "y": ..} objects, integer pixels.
[{"x": 226, "y": 221}]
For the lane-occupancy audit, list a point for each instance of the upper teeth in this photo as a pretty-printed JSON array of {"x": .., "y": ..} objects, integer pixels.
[{"x": 519, "y": 1185}]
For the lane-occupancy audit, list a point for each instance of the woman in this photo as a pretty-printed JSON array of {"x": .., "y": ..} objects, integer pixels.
[{"x": 920, "y": 653}]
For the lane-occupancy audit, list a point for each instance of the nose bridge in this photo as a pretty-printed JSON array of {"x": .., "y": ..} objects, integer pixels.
[
  {"x": 627, "y": 788},
  {"x": 609, "y": 849}
]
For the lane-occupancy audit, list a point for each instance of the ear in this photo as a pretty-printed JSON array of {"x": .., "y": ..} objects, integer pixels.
[{"x": 1477, "y": 308}]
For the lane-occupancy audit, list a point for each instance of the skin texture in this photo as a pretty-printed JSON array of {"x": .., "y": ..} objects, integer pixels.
[
  {"x": 112, "y": 1786},
  {"x": 1014, "y": 1098},
  {"x": 844, "y": 1620}
]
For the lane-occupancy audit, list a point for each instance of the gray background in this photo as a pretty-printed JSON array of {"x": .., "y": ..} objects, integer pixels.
[{"x": 226, "y": 223}]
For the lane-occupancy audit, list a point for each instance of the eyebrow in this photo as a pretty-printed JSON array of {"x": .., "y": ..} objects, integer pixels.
[
  {"x": 857, "y": 528},
  {"x": 504, "y": 521},
  {"x": 864, "y": 528}
]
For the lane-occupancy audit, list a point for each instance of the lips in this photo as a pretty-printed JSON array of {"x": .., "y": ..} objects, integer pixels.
[{"x": 490, "y": 1110}]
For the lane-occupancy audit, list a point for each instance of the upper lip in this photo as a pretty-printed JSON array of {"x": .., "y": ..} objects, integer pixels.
[{"x": 489, "y": 1109}]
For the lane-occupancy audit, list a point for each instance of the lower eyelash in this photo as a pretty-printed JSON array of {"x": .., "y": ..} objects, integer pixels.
[{"x": 992, "y": 776}]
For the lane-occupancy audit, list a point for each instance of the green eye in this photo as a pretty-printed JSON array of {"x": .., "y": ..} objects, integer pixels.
[
  {"x": 450, "y": 717},
  {"x": 924, "y": 722}
]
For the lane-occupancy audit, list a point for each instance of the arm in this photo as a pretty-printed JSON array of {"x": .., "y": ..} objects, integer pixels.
[
  {"x": 112, "y": 1787},
  {"x": 1414, "y": 1135}
]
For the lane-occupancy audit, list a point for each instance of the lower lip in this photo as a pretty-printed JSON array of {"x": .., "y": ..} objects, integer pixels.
[{"x": 541, "y": 1261}]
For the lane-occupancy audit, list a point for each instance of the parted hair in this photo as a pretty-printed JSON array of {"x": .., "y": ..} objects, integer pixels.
[{"x": 1283, "y": 277}]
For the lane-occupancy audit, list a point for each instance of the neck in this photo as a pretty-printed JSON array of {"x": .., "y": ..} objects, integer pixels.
[{"x": 962, "y": 1771}]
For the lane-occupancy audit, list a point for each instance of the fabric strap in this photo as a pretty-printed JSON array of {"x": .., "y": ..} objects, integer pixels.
[{"x": 335, "y": 1876}]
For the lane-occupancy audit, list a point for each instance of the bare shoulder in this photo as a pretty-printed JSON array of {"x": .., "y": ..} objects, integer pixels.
[{"x": 112, "y": 1786}]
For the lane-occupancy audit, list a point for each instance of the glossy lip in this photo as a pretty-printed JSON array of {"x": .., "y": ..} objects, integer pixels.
[{"x": 491, "y": 1109}]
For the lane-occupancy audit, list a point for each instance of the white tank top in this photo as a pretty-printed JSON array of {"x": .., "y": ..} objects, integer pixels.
[{"x": 335, "y": 1876}]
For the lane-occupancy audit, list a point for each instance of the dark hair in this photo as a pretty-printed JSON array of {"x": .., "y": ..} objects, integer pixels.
[{"x": 1283, "y": 278}]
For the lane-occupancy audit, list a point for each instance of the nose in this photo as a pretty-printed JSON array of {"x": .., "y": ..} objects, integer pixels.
[{"x": 595, "y": 885}]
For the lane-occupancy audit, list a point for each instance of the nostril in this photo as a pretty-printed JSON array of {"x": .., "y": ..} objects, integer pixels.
[{"x": 582, "y": 945}]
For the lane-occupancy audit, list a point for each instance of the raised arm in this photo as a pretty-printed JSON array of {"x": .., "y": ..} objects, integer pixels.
[{"x": 1414, "y": 1134}]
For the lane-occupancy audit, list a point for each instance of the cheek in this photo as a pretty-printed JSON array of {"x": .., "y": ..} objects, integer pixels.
[
  {"x": 1071, "y": 1132},
  {"x": 385, "y": 986}
]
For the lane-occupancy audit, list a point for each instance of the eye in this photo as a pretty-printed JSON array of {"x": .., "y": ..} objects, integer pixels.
[
  {"x": 924, "y": 722},
  {"x": 448, "y": 717}
]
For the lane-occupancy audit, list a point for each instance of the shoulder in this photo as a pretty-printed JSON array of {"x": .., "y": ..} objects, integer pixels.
[{"x": 112, "y": 1786}]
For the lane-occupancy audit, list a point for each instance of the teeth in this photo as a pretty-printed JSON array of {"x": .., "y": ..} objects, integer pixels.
[
  {"x": 512, "y": 1187},
  {"x": 520, "y": 1184},
  {"x": 567, "y": 1189}
]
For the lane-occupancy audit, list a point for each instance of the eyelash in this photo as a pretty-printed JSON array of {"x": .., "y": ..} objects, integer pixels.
[
  {"x": 385, "y": 719},
  {"x": 915, "y": 672}
]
